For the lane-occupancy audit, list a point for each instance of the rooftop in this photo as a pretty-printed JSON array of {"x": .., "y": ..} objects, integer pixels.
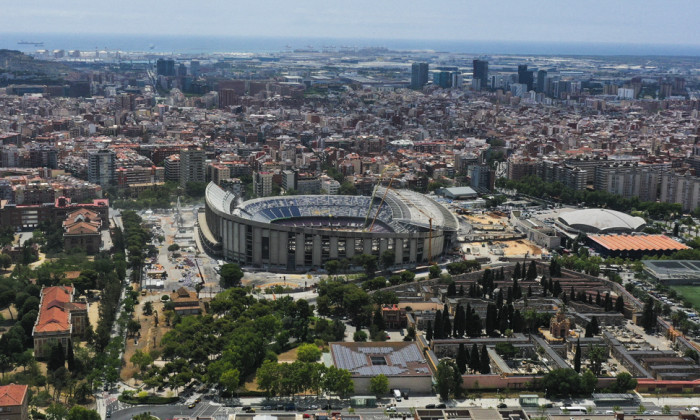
[
  {"x": 371, "y": 359},
  {"x": 637, "y": 243}
]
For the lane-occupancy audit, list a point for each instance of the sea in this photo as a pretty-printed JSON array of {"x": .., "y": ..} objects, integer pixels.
[{"x": 176, "y": 44}]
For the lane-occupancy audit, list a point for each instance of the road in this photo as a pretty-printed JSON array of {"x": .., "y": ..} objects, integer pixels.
[{"x": 203, "y": 409}]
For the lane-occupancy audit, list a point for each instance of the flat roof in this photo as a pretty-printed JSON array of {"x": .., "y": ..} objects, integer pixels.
[
  {"x": 637, "y": 242},
  {"x": 371, "y": 359},
  {"x": 673, "y": 269}
]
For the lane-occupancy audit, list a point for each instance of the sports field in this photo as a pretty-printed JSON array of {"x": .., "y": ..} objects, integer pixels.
[{"x": 692, "y": 293}]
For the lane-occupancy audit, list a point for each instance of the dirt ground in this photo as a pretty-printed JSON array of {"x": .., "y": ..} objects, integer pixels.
[
  {"x": 148, "y": 332},
  {"x": 512, "y": 248},
  {"x": 94, "y": 314},
  {"x": 486, "y": 219},
  {"x": 521, "y": 247},
  {"x": 288, "y": 356}
]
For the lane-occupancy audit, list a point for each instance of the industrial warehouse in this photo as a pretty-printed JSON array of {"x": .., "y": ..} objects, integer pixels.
[{"x": 301, "y": 232}]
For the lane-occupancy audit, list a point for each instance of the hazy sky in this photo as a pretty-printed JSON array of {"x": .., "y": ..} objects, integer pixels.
[{"x": 615, "y": 21}]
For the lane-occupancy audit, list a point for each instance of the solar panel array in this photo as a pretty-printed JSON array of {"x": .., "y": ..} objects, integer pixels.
[
  {"x": 375, "y": 350},
  {"x": 406, "y": 355},
  {"x": 348, "y": 359},
  {"x": 379, "y": 370}
]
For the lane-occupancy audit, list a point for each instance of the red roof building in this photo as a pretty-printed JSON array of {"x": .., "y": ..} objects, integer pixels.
[
  {"x": 60, "y": 318},
  {"x": 634, "y": 246},
  {"x": 14, "y": 400}
]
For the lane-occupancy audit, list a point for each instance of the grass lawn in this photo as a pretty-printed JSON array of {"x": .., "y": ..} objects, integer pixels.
[{"x": 692, "y": 293}]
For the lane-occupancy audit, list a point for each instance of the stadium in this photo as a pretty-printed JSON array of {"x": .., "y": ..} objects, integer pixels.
[{"x": 298, "y": 233}]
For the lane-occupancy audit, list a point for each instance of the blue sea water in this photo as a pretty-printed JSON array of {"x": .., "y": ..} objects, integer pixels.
[{"x": 213, "y": 44}]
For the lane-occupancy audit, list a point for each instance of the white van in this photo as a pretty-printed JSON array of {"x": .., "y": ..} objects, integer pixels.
[{"x": 397, "y": 395}]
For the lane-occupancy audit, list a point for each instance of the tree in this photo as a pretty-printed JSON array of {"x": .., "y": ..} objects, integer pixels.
[
  {"x": 597, "y": 355},
  {"x": 5, "y": 261},
  {"x": 620, "y": 304},
  {"x": 561, "y": 383},
  {"x": 624, "y": 382},
  {"x": 57, "y": 357},
  {"x": 532, "y": 271},
  {"x": 649, "y": 315},
  {"x": 81, "y": 413},
  {"x": 577, "y": 357},
  {"x": 429, "y": 332},
  {"x": 359, "y": 336},
  {"x": 70, "y": 357},
  {"x": 438, "y": 329},
  {"x": 462, "y": 358},
  {"x": 267, "y": 377},
  {"x": 141, "y": 359},
  {"x": 448, "y": 378},
  {"x": 516, "y": 271},
  {"x": 379, "y": 385},
  {"x": 231, "y": 275},
  {"x": 5, "y": 364},
  {"x": 56, "y": 411},
  {"x": 308, "y": 353},
  {"x": 484, "y": 361},
  {"x": 332, "y": 267},
  {"x": 474, "y": 360},
  {"x": 435, "y": 271},
  {"x": 588, "y": 382},
  {"x": 230, "y": 380},
  {"x": 388, "y": 258},
  {"x": 592, "y": 328},
  {"x": 173, "y": 247}
]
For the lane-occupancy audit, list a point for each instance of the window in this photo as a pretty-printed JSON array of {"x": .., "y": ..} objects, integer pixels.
[{"x": 378, "y": 360}]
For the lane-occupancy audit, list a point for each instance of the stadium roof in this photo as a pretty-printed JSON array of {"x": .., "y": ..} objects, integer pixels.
[
  {"x": 673, "y": 270},
  {"x": 637, "y": 242},
  {"x": 602, "y": 220},
  {"x": 401, "y": 210}
]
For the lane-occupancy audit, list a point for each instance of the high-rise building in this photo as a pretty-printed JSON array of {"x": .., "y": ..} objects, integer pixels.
[
  {"x": 481, "y": 72},
  {"x": 443, "y": 79},
  {"x": 194, "y": 68},
  {"x": 262, "y": 183},
  {"x": 165, "y": 67},
  {"x": 419, "y": 75},
  {"x": 681, "y": 189},
  {"x": 101, "y": 167},
  {"x": 525, "y": 76},
  {"x": 192, "y": 163},
  {"x": 541, "y": 79}
]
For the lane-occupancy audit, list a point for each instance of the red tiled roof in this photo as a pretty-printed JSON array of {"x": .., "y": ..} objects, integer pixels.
[
  {"x": 637, "y": 243},
  {"x": 12, "y": 395},
  {"x": 53, "y": 316},
  {"x": 82, "y": 228}
]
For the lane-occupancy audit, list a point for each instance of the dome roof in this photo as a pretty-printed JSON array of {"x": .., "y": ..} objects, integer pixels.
[{"x": 601, "y": 220}]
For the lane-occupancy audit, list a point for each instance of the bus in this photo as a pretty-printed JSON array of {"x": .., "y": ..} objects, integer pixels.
[{"x": 573, "y": 409}]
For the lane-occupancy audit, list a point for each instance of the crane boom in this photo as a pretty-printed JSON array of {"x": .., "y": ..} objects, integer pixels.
[{"x": 381, "y": 203}]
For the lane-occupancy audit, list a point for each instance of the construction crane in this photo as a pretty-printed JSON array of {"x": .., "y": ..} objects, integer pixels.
[
  {"x": 379, "y": 208},
  {"x": 374, "y": 192}
]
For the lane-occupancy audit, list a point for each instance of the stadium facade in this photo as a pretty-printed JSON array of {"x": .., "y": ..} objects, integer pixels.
[{"x": 297, "y": 233}]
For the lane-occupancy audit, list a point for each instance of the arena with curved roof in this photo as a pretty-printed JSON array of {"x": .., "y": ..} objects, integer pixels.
[
  {"x": 599, "y": 221},
  {"x": 296, "y": 233}
]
